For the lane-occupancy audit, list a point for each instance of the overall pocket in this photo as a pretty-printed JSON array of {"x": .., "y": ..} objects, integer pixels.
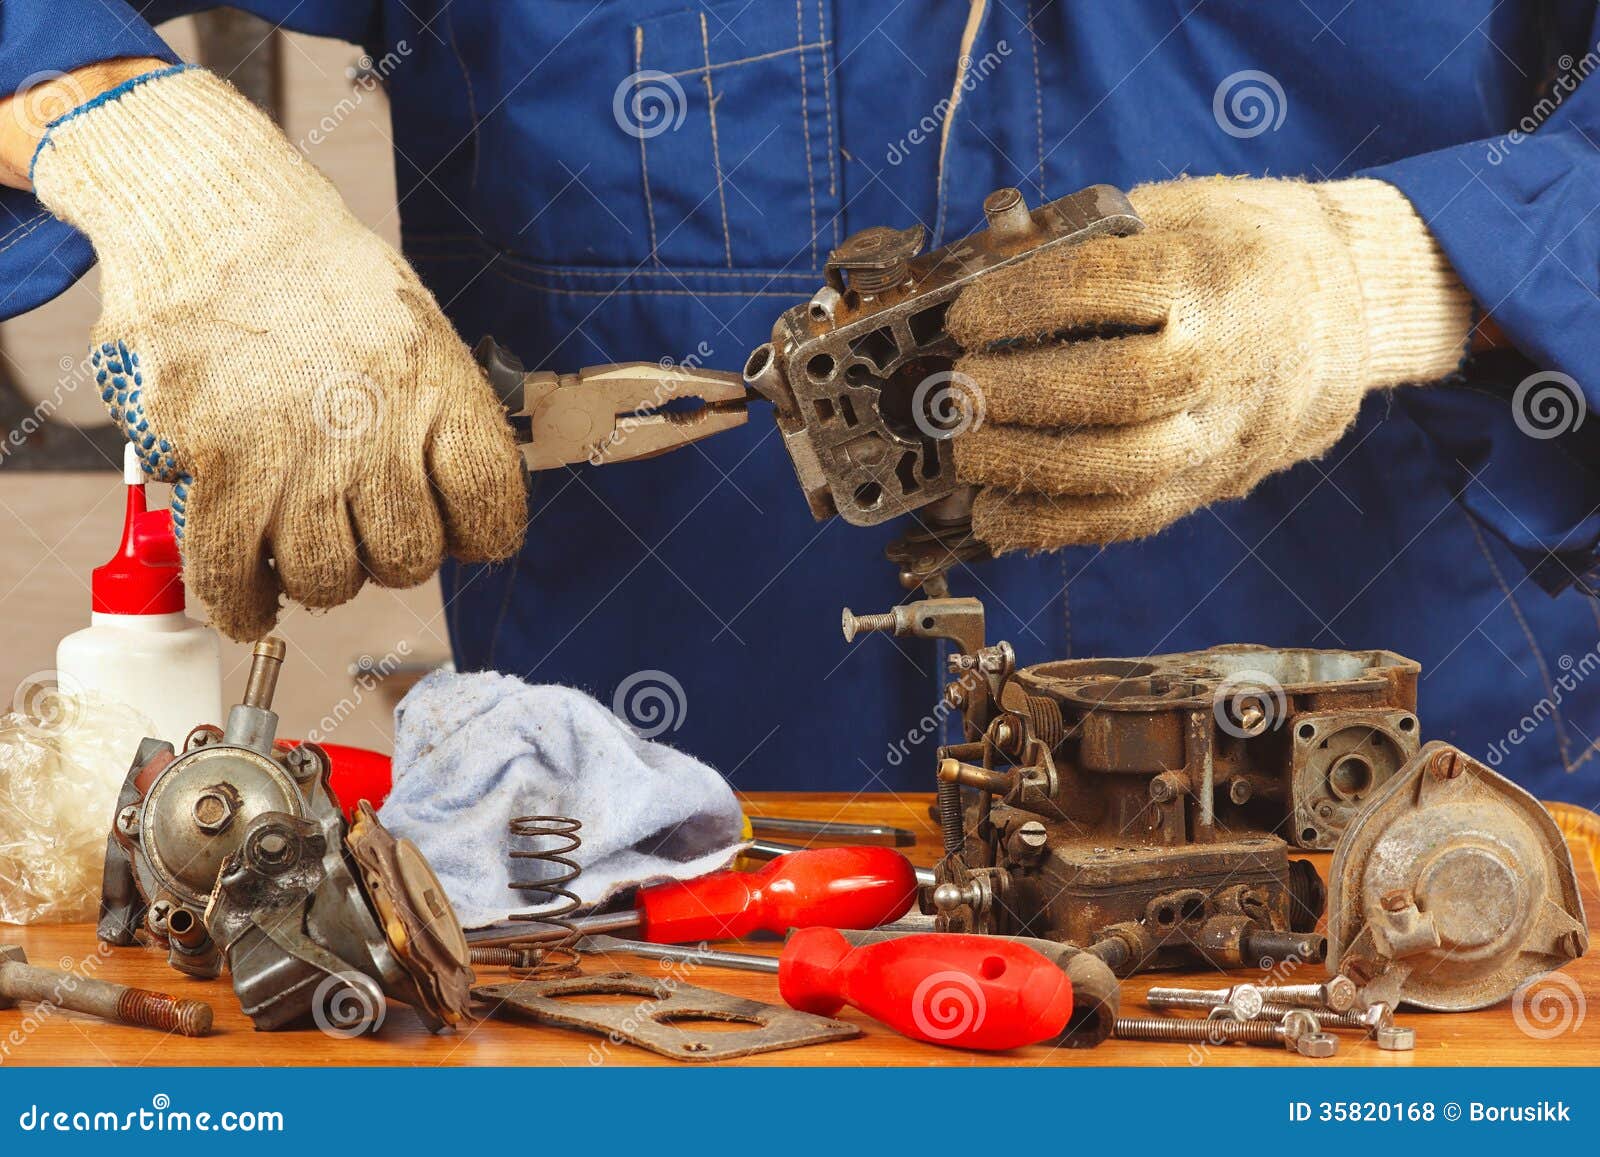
[{"x": 733, "y": 107}]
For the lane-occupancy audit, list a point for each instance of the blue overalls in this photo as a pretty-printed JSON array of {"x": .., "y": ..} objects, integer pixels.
[{"x": 1436, "y": 528}]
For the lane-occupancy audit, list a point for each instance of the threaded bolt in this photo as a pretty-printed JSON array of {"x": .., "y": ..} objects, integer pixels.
[
  {"x": 158, "y": 1010},
  {"x": 1243, "y": 1001},
  {"x": 1337, "y": 994},
  {"x": 1368, "y": 1020},
  {"x": 855, "y": 624},
  {"x": 1216, "y": 1031}
]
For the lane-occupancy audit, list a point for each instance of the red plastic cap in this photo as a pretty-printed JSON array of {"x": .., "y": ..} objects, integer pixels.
[{"x": 145, "y": 576}]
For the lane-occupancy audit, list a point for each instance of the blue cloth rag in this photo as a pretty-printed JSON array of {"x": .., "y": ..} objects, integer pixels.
[{"x": 474, "y": 751}]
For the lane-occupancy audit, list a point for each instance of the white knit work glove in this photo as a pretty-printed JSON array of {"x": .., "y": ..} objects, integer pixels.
[
  {"x": 1129, "y": 381},
  {"x": 272, "y": 357}
]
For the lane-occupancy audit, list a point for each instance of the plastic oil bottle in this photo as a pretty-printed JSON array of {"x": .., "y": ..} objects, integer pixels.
[{"x": 140, "y": 648}]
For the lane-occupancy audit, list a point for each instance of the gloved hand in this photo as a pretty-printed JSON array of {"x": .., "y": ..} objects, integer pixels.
[
  {"x": 1250, "y": 317},
  {"x": 272, "y": 357}
]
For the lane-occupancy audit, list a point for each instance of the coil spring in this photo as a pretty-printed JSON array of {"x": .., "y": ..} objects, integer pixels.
[
  {"x": 545, "y": 959},
  {"x": 1045, "y": 715}
]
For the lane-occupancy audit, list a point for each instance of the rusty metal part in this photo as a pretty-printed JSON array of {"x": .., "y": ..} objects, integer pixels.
[
  {"x": 543, "y": 844},
  {"x": 416, "y": 915},
  {"x": 1369, "y": 1020},
  {"x": 1297, "y": 1034},
  {"x": 21, "y": 981},
  {"x": 611, "y": 413},
  {"x": 1096, "y": 994},
  {"x": 238, "y": 851},
  {"x": 1135, "y": 806},
  {"x": 652, "y": 1022},
  {"x": 1452, "y": 887},
  {"x": 862, "y": 375}
]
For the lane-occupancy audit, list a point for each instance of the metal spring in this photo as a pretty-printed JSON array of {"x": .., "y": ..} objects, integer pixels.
[
  {"x": 1044, "y": 714},
  {"x": 549, "y": 958}
]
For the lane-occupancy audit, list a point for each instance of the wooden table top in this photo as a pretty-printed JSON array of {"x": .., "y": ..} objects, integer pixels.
[{"x": 1489, "y": 1037}]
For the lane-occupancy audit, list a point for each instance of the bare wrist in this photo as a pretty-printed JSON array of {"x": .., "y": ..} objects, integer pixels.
[{"x": 26, "y": 113}]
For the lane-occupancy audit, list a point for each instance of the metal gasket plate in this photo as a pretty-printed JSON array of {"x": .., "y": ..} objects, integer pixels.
[{"x": 650, "y": 1023}]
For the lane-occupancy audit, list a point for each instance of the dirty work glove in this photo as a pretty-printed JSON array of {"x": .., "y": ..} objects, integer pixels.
[
  {"x": 1232, "y": 338},
  {"x": 273, "y": 358}
]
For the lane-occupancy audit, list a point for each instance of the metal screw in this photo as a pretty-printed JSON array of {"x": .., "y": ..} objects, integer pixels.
[
  {"x": 1395, "y": 1039},
  {"x": 1243, "y": 1001},
  {"x": 20, "y": 980},
  {"x": 1337, "y": 994},
  {"x": 1368, "y": 1020},
  {"x": 855, "y": 624},
  {"x": 1220, "y": 1030},
  {"x": 128, "y": 820},
  {"x": 1028, "y": 841}
]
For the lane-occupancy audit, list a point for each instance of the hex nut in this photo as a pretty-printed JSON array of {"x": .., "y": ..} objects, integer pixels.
[
  {"x": 1299, "y": 1024},
  {"x": 1395, "y": 1039},
  {"x": 1320, "y": 1045}
]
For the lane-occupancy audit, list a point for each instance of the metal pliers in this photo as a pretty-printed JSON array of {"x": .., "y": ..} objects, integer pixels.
[{"x": 614, "y": 413}]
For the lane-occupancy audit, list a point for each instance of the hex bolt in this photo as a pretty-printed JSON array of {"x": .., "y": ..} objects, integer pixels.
[
  {"x": 20, "y": 981},
  {"x": 1392, "y": 1038},
  {"x": 1222, "y": 1030},
  {"x": 1369, "y": 1020},
  {"x": 1337, "y": 994},
  {"x": 1243, "y": 1001}
]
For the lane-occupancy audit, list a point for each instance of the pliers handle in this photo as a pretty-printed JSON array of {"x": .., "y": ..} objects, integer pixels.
[{"x": 613, "y": 413}]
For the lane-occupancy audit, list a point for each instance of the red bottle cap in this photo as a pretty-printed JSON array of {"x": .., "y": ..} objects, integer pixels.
[{"x": 145, "y": 576}]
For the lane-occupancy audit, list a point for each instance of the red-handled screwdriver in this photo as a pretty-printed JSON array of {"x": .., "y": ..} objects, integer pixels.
[
  {"x": 826, "y": 887},
  {"x": 976, "y": 992}
]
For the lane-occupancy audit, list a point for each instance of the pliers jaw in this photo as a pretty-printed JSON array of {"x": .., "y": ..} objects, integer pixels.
[{"x": 612, "y": 413}]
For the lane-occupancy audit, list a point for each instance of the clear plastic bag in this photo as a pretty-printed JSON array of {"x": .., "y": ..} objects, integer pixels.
[{"x": 62, "y": 762}]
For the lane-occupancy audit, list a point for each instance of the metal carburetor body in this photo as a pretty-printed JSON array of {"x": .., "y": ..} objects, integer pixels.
[
  {"x": 861, "y": 375},
  {"x": 237, "y": 851},
  {"x": 1452, "y": 887},
  {"x": 1139, "y": 807}
]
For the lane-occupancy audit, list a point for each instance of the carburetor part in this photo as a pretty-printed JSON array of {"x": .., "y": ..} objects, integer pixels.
[
  {"x": 237, "y": 851},
  {"x": 662, "y": 1018},
  {"x": 862, "y": 375},
  {"x": 1452, "y": 887},
  {"x": 1132, "y": 806}
]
